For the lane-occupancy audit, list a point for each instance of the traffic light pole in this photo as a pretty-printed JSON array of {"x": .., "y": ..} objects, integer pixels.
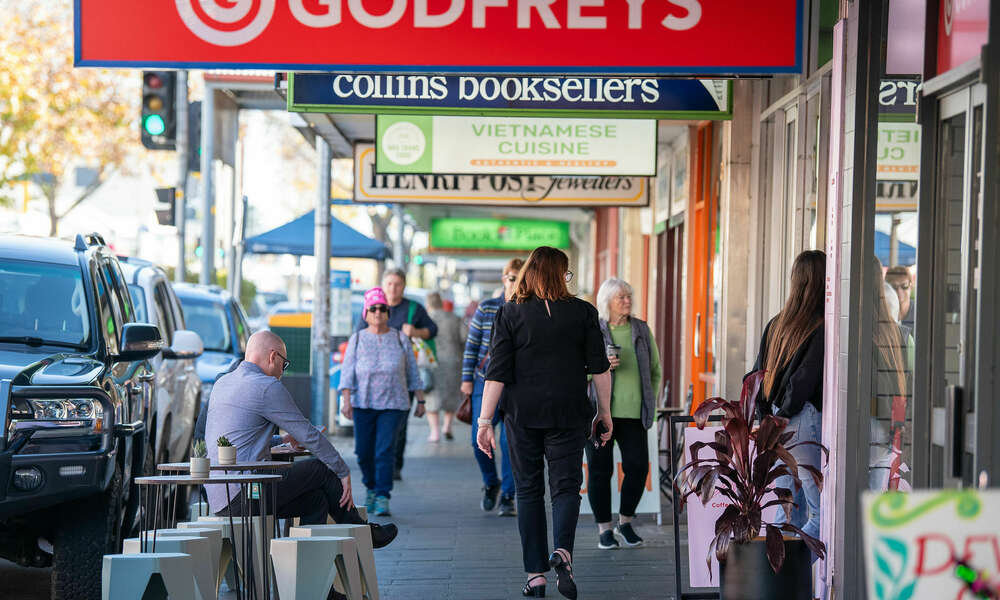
[
  {"x": 207, "y": 187},
  {"x": 180, "y": 206}
]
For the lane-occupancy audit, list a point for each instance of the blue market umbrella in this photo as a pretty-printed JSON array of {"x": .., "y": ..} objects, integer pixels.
[{"x": 296, "y": 238}]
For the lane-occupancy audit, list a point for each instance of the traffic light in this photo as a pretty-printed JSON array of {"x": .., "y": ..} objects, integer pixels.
[
  {"x": 194, "y": 137},
  {"x": 166, "y": 203},
  {"x": 158, "y": 119}
]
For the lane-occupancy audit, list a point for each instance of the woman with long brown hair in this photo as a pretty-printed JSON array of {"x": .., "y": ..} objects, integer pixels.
[
  {"x": 544, "y": 344},
  {"x": 791, "y": 356}
]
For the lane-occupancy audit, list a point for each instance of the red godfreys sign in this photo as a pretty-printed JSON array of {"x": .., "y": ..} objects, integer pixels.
[{"x": 654, "y": 37}]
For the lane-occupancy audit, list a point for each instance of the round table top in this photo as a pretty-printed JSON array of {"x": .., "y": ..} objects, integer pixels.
[
  {"x": 260, "y": 465},
  {"x": 288, "y": 451},
  {"x": 215, "y": 478}
]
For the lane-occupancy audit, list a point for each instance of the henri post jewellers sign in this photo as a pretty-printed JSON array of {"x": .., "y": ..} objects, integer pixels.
[
  {"x": 493, "y": 190},
  {"x": 510, "y": 95},
  {"x": 655, "y": 37},
  {"x": 510, "y": 145}
]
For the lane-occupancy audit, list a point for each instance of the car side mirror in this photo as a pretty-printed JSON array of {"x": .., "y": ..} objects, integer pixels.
[
  {"x": 139, "y": 341},
  {"x": 187, "y": 344}
]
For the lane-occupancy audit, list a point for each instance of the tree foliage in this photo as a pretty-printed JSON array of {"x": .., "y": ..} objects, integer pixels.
[{"x": 54, "y": 116}]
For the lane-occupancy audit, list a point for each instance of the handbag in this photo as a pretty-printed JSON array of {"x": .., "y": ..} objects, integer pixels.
[{"x": 464, "y": 412}]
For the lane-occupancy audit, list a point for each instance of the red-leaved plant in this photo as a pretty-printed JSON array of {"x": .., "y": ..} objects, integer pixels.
[{"x": 744, "y": 469}]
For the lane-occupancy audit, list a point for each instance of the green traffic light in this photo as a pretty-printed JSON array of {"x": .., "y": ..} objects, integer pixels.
[{"x": 154, "y": 125}]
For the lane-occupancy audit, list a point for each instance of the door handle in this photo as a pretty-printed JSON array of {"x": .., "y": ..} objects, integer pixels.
[
  {"x": 955, "y": 410},
  {"x": 697, "y": 335}
]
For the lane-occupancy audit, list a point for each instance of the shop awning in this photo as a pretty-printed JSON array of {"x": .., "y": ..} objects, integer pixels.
[
  {"x": 907, "y": 253},
  {"x": 296, "y": 238}
]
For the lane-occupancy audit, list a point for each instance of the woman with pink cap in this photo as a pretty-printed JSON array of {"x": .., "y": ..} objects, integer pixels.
[{"x": 378, "y": 372}]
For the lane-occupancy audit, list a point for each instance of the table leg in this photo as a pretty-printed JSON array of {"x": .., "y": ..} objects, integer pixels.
[
  {"x": 156, "y": 515},
  {"x": 232, "y": 542}
]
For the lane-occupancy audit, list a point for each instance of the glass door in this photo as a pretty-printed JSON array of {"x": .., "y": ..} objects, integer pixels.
[{"x": 955, "y": 293}]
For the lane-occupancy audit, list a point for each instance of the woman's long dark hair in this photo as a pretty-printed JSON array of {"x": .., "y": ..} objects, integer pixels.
[
  {"x": 543, "y": 276},
  {"x": 802, "y": 314}
]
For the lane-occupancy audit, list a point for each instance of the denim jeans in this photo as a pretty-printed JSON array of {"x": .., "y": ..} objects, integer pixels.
[
  {"x": 375, "y": 446},
  {"x": 807, "y": 425},
  {"x": 487, "y": 465}
]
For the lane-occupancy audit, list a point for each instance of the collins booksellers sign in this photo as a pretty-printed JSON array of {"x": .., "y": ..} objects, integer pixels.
[
  {"x": 482, "y": 95},
  {"x": 509, "y": 145},
  {"x": 493, "y": 190},
  {"x": 913, "y": 540},
  {"x": 664, "y": 37}
]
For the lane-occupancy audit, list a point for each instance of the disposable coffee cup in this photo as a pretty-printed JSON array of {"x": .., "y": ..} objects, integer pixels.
[{"x": 613, "y": 350}]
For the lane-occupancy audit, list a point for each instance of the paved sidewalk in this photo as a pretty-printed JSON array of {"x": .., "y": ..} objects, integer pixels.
[{"x": 450, "y": 549}]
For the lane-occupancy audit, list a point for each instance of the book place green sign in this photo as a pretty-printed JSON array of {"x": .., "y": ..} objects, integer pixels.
[{"x": 497, "y": 234}]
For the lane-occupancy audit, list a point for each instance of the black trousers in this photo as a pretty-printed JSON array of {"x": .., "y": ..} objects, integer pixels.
[
  {"x": 308, "y": 490},
  {"x": 562, "y": 449},
  {"x": 631, "y": 438}
]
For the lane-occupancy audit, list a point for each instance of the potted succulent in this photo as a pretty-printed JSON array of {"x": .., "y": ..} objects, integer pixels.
[
  {"x": 743, "y": 467},
  {"x": 199, "y": 460},
  {"x": 227, "y": 451}
]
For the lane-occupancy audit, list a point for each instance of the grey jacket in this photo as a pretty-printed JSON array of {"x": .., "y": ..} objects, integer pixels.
[{"x": 641, "y": 341}]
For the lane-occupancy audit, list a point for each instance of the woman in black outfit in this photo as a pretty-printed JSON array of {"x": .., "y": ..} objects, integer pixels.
[{"x": 545, "y": 343}]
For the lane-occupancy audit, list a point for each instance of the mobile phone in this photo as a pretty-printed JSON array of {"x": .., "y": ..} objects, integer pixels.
[{"x": 598, "y": 432}]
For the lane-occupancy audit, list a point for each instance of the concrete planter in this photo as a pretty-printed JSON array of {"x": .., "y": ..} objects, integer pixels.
[
  {"x": 199, "y": 467},
  {"x": 227, "y": 455}
]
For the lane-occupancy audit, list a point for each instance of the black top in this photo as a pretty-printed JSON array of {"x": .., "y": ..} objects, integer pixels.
[
  {"x": 799, "y": 381},
  {"x": 544, "y": 361}
]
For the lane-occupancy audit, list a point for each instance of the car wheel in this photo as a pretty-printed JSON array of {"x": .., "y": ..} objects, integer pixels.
[{"x": 86, "y": 532}]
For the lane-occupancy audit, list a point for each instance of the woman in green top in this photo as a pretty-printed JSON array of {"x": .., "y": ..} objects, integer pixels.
[{"x": 635, "y": 364}]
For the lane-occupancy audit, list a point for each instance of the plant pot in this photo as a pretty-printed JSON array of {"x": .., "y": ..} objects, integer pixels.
[
  {"x": 199, "y": 467},
  {"x": 747, "y": 575},
  {"x": 227, "y": 455}
]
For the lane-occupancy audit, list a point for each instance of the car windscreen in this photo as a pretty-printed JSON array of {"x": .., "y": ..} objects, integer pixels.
[
  {"x": 208, "y": 319},
  {"x": 43, "y": 302},
  {"x": 139, "y": 303}
]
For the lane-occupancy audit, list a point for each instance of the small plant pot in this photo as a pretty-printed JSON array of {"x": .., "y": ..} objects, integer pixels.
[
  {"x": 200, "y": 467},
  {"x": 747, "y": 575},
  {"x": 227, "y": 455}
]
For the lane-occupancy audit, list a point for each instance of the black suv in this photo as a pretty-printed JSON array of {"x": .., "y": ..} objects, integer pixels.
[{"x": 75, "y": 390}]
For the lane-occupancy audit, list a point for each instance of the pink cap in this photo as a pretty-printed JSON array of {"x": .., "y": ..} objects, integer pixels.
[{"x": 375, "y": 296}]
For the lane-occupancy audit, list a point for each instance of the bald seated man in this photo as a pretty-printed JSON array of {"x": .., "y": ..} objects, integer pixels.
[{"x": 246, "y": 406}]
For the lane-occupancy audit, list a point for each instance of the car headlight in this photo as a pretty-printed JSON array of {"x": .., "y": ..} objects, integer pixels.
[{"x": 66, "y": 409}]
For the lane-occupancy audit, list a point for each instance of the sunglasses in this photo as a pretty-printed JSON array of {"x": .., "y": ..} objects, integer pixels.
[
  {"x": 569, "y": 276},
  {"x": 376, "y": 308},
  {"x": 287, "y": 363}
]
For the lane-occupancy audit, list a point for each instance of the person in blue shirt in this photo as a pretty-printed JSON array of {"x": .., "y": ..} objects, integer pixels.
[
  {"x": 475, "y": 359},
  {"x": 412, "y": 319}
]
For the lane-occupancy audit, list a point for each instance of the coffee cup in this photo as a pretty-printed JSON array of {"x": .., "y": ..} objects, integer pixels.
[{"x": 613, "y": 350}]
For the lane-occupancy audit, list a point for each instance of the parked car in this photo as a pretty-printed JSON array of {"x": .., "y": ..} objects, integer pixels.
[
  {"x": 218, "y": 318},
  {"x": 178, "y": 387},
  {"x": 261, "y": 306},
  {"x": 76, "y": 388}
]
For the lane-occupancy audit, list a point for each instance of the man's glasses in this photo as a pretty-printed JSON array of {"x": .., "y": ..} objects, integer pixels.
[
  {"x": 284, "y": 365},
  {"x": 569, "y": 276},
  {"x": 903, "y": 285},
  {"x": 378, "y": 308}
]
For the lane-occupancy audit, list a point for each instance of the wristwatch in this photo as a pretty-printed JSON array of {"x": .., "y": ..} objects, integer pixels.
[{"x": 484, "y": 422}]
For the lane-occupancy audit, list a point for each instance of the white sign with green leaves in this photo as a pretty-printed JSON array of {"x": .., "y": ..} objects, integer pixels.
[
  {"x": 914, "y": 542},
  {"x": 515, "y": 146}
]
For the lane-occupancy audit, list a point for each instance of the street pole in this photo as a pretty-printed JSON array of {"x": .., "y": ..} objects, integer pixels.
[
  {"x": 238, "y": 250},
  {"x": 207, "y": 187},
  {"x": 397, "y": 255},
  {"x": 320, "y": 363},
  {"x": 180, "y": 194}
]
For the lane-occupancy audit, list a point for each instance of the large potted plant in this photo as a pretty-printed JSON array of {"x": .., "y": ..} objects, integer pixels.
[{"x": 743, "y": 468}]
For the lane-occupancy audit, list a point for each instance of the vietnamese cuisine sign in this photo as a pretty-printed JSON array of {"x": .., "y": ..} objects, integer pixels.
[
  {"x": 508, "y": 145},
  {"x": 497, "y": 234},
  {"x": 912, "y": 541},
  {"x": 667, "y": 37},
  {"x": 493, "y": 190},
  {"x": 498, "y": 95}
]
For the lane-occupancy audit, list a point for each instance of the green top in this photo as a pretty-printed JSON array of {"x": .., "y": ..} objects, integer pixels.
[{"x": 626, "y": 395}]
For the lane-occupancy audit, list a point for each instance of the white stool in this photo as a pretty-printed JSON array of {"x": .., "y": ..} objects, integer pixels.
[
  {"x": 362, "y": 535},
  {"x": 258, "y": 543},
  {"x": 130, "y": 575},
  {"x": 197, "y": 547},
  {"x": 225, "y": 567},
  {"x": 198, "y": 509},
  {"x": 305, "y": 567},
  {"x": 214, "y": 535}
]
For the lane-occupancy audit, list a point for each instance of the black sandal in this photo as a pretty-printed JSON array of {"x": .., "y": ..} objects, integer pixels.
[
  {"x": 534, "y": 592},
  {"x": 564, "y": 575}
]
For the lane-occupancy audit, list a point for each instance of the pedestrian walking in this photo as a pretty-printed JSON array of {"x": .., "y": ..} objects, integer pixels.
[
  {"x": 791, "y": 356},
  {"x": 544, "y": 344},
  {"x": 475, "y": 360},
  {"x": 635, "y": 379},
  {"x": 412, "y": 319},
  {"x": 377, "y": 376},
  {"x": 450, "y": 341}
]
